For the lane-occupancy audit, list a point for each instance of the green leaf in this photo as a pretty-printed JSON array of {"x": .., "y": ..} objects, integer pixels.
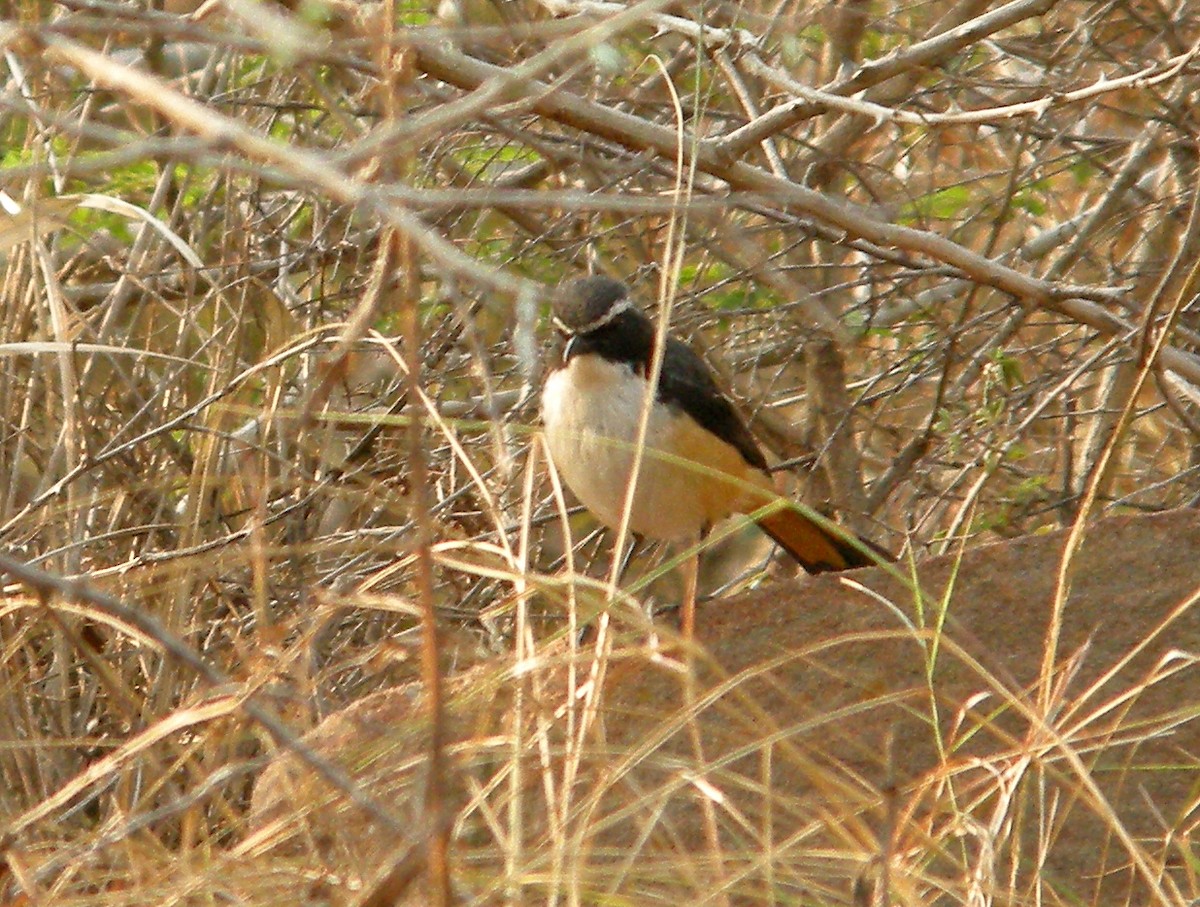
[
  {"x": 1026, "y": 201},
  {"x": 1032, "y": 197},
  {"x": 941, "y": 204},
  {"x": 1083, "y": 170},
  {"x": 1009, "y": 369}
]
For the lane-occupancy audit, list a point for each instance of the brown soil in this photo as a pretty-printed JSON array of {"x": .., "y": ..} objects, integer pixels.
[{"x": 835, "y": 725}]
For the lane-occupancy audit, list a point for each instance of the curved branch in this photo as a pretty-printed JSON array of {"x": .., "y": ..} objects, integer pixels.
[{"x": 642, "y": 135}]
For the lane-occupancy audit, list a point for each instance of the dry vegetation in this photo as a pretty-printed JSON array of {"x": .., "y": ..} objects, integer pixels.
[{"x": 271, "y": 311}]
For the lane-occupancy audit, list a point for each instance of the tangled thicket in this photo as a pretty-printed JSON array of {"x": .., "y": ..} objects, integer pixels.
[{"x": 942, "y": 256}]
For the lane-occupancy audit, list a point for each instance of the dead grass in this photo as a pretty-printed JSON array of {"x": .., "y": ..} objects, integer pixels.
[
  {"x": 205, "y": 412},
  {"x": 830, "y": 746}
]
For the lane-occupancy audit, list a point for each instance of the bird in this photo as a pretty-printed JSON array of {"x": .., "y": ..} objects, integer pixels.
[{"x": 700, "y": 465}]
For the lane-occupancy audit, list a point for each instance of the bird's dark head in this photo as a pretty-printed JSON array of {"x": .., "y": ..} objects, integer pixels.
[{"x": 588, "y": 304}]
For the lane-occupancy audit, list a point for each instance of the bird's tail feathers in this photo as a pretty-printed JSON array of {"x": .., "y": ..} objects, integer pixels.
[{"x": 815, "y": 548}]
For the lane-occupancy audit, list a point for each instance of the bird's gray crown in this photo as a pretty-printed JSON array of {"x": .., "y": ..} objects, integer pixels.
[{"x": 589, "y": 303}]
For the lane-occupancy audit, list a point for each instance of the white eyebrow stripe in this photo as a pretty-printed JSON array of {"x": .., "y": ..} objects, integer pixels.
[{"x": 620, "y": 307}]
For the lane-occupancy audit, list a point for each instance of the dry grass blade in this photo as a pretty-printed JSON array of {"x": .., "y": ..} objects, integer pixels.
[{"x": 270, "y": 343}]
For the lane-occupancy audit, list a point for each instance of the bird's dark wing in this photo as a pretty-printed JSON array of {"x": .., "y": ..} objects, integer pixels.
[{"x": 687, "y": 384}]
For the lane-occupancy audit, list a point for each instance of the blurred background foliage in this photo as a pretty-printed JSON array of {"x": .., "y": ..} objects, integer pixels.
[{"x": 202, "y": 406}]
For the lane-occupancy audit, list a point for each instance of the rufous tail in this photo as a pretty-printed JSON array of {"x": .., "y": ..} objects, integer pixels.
[{"x": 815, "y": 549}]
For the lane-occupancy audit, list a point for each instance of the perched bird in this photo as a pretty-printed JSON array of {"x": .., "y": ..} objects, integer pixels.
[{"x": 700, "y": 463}]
